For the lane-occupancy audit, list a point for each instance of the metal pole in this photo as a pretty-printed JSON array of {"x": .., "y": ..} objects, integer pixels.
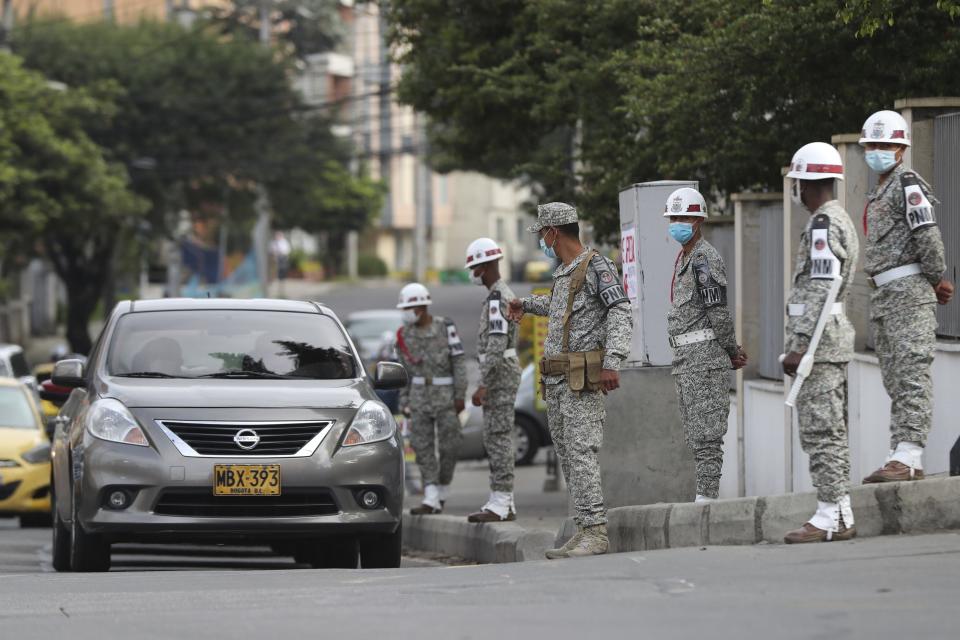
[
  {"x": 422, "y": 192},
  {"x": 261, "y": 232}
]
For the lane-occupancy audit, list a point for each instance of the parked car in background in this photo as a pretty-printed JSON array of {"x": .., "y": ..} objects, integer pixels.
[
  {"x": 13, "y": 364},
  {"x": 539, "y": 269},
  {"x": 227, "y": 420},
  {"x": 531, "y": 430},
  {"x": 24, "y": 456}
]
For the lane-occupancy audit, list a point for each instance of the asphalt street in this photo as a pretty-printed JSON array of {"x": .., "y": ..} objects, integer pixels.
[{"x": 886, "y": 587}]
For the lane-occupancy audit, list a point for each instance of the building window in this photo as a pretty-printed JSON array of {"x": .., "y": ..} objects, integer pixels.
[{"x": 501, "y": 229}]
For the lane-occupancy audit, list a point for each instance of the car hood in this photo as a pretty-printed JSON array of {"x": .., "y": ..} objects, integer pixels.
[
  {"x": 13, "y": 442},
  {"x": 318, "y": 394}
]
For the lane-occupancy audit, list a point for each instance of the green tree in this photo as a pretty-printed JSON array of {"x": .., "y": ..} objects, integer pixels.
[
  {"x": 871, "y": 16},
  {"x": 58, "y": 188}
]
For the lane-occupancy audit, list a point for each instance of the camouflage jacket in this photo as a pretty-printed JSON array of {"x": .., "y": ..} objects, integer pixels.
[
  {"x": 495, "y": 335},
  {"x": 436, "y": 352},
  {"x": 600, "y": 318},
  {"x": 828, "y": 245},
  {"x": 895, "y": 238},
  {"x": 699, "y": 301}
]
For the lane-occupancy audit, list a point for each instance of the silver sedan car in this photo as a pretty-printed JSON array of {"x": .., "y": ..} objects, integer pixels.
[{"x": 227, "y": 420}]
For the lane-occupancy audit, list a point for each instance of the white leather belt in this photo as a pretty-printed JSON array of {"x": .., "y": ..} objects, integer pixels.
[
  {"x": 508, "y": 353},
  {"x": 692, "y": 337},
  {"x": 436, "y": 382},
  {"x": 886, "y": 277},
  {"x": 797, "y": 309}
]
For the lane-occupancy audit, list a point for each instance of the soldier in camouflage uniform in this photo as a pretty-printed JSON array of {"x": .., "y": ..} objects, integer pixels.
[
  {"x": 702, "y": 336},
  {"x": 500, "y": 377},
  {"x": 829, "y": 247},
  {"x": 432, "y": 353},
  {"x": 905, "y": 261},
  {"x": 588, "y": 336}
]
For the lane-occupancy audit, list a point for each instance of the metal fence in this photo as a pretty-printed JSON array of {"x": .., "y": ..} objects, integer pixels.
[{"x": 946, "y": 183}]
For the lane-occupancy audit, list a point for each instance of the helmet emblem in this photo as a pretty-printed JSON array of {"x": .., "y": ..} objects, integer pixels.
[
  {"x": 877, "y": 129},
  {"x": 677, "y": 205},
  {"x": 819, "y": 244},
  {"x": 246, "y": 439},
  {"x": 915, "y": 198},
  {"x": 798, "y": 165}
]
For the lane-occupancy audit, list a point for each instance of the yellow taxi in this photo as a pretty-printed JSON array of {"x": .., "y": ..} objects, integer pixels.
[{"x": 24, "y": 456}]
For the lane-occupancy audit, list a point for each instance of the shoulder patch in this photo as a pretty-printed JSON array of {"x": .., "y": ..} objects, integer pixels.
[
  {"x": 824, "y": 265},
  {"x": 453, "y": 339},
  {"x": 609, "y": 286},
  {"x": 919, "y": 211},
  {"x": 496, "y": 321},
  {"x": 711, "y": 292}
]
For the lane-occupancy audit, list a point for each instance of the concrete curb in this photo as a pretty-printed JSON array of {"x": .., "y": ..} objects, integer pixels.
[
  {"x": 485, "y": 543},
  {"x": 879, "y": 509}
]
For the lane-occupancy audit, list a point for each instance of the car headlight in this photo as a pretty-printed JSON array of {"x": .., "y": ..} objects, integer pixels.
[
  {"x": 40, "y": 453},
  {"x": 372, "y": 423},
  {"x": 108, "y": 419},
  {"x": 6, "y": 463}
]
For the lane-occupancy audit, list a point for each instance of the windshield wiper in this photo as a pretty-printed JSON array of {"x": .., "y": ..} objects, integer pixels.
[
  {"x": 146, "y": 374},
  {"x": 247, "y": 374}
]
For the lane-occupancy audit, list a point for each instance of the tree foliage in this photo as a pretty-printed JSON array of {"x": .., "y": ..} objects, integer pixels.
[
  {"x": 871, "y": 16},
  {"x": 582, "y": 97}
]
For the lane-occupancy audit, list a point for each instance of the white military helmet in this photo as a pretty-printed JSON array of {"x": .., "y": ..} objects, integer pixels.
[
  {"x": 482, "y": 250},
  {"x": 414, "y": 295},
  {"x": 685, "y": 202},
  {"x": 885, "y": 126},
  {"x": 816, "y": 161}
]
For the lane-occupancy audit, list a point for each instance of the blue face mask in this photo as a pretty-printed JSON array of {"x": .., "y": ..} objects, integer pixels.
[
  {"x": 548, "y": 251},
  {"x": 881, "y": 160},
  {"x": 681, "y": 231}
]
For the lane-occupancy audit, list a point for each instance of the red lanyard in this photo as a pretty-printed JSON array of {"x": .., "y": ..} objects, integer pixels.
[{"x": 673, "y": 280}]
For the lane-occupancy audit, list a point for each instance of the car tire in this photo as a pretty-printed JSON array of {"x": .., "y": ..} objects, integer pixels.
[
  {"x": 382, "y": 551},
  {"x": 88, "y": 552},
  {"x": 328, "y": 553},
  {"x": 35, "y": 520},
  {"x": 61, "y": 540},
  {"x": 527, "y": 440}
]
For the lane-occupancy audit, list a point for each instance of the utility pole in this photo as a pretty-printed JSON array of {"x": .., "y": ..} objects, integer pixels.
[
  {"x": 422, "y": 194},
  {"x": 6, "y": 24},
  {"x": 261, "y": 231}
]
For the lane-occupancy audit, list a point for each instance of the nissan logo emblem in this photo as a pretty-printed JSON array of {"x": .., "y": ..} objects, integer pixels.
[{"x": 246, "y": 439}]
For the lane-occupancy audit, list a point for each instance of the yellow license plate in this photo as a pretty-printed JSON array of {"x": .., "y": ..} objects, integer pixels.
[{"x": 246, "y": 479}]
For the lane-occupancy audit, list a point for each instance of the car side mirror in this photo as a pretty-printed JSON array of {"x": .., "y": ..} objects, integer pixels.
[
  {"x": 68, "y": 373},
  {"x": 50, "y": 426},
  {"x": 389, "y": 375}
]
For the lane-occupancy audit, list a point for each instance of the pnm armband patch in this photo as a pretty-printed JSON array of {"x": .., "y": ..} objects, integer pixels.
[
  {"x": 824, "y": 265},
  {"x": 453, "y": 339},
  {"x": 609, "y": 287},
  {"x": 497, "y": 323},
  {"x": 711, "y": 292},
  {"x": 919, "y": 211}
]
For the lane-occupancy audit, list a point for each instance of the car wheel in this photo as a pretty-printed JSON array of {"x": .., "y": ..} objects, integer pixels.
[
  {"x": 35, "y": 520},
  {"x": 328, "y": 553},
  {"x": 383, "y": 551},
  {"x": 526, "y": 439},
  {"x": 88, "y": 552},
  {"x": 61, "y": 539}
]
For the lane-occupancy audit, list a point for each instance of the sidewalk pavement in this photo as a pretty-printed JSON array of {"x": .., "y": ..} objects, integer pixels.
[{"x": 886, "y": 509}]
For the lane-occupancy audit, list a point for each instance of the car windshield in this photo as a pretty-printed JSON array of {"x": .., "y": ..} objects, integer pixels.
[
  {"x": 230, "y": 344},
  {"x": 374, "y": 327},
  {"x": 15, "y": 409}
]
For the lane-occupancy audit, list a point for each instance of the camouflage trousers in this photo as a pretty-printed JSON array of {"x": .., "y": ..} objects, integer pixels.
[
  {"x": 498, "y": 425},
  {"x": 430, "y": 432},
  {"x": 905, "y": 340},
  {"x": 822, "y": 414},
  {"x": 704, "y": 398},
  {"x": 576, "y": 426}
]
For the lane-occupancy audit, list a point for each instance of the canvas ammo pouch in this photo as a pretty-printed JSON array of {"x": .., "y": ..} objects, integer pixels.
[{"x": 581, "y": 368}]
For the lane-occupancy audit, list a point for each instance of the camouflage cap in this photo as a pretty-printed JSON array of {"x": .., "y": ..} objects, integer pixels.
[{"x": 553, "y": 214}]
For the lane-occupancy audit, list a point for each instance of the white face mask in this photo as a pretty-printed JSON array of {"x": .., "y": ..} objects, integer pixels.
[
  {"x": 410, "y": 316},
  {"x": 476, "y": 279}
]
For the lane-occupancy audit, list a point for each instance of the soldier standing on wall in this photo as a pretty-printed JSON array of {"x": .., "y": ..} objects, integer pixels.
[{"x": 588, "y": 336}]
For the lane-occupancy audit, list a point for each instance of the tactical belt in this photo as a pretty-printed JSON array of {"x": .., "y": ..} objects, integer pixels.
[
  {"x": 581, "y": 368},
  {"x": 436, "y": 382},
  {"x": 692, "y": 337},
  {"x": 886, "y": 277},
  {"x": 508, "y": 353},
  {"x": 797, "y": 309}
]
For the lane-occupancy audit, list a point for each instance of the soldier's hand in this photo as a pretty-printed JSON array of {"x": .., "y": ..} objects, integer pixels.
[
  {"x": 609, "y": 380},
  {"x": 405, "y": 411},
  {"x": 478, "y": 396},
  {"x": 515, "y": 310},
  {"x": 459, "y": 404},
  {"x": 739, "y": 361},
  {"x": 790, "y": 363},
  {"x": 944, "y": 291}
]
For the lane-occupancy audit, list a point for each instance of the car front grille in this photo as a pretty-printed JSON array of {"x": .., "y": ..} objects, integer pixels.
[
  {"x": 225, "y": 438},
  {"x": 201, "y": 503}
]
